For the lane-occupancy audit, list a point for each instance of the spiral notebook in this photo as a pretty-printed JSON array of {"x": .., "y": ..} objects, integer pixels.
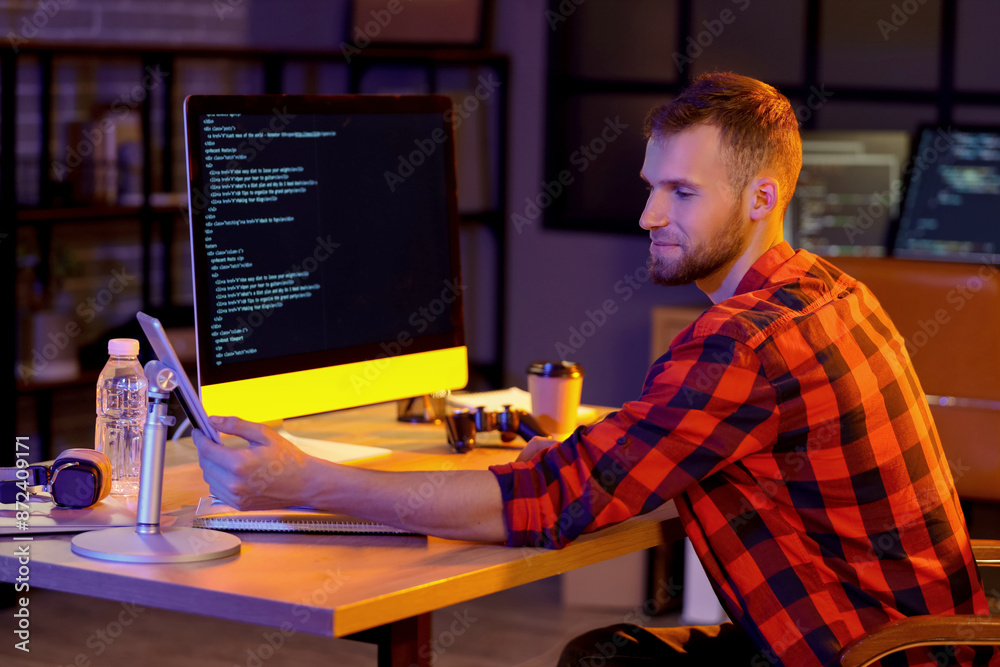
[{"x": 212, "y": 513}]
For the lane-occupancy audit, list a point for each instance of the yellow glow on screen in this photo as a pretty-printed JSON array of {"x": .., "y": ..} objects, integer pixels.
[{"x": 323, "y": 389}]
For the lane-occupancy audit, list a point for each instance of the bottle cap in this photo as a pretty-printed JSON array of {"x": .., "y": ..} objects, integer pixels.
[
  {"x": 556, "y": 369},
  {"x": 123, "y": 347}
]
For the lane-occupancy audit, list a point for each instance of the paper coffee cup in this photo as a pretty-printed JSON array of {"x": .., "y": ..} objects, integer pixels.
[{"x": 555, "y": 388}]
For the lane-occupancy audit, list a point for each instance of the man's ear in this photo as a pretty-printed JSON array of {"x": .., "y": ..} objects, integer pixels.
[{"x": 763, "y": 197}]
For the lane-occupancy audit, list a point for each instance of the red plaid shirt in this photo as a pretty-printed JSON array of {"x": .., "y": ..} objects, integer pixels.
[{"x": 790, "y": 429}]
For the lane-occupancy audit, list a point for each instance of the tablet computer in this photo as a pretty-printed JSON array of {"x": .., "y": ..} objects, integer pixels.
[{"x": 185, "y": 390}]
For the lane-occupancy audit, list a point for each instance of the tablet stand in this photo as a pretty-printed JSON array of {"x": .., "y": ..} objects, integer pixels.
[{"x": 148, "y": 542}]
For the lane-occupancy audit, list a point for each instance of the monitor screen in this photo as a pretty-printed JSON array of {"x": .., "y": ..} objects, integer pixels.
[
  {"x": 324, "y": 235},
  {"x": 952, "y": 206},
  {"x": 848, "y": 192}
]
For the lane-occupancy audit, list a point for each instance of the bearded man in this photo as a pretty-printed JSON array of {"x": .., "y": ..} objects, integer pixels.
[{"x": 786, "y": 423}]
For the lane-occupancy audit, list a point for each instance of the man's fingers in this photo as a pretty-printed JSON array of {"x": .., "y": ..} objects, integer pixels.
[
  {"x": 216, "y": 474},
  {"x": 223, "y": 483},
  {"x": 209, "y": 450},
  {"x": 250, "y": 431},
  {"x": 534, "y": 446}
]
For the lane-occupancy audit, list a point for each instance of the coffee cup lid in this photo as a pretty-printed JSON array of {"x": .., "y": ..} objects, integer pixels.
[{"x": 561, "y": 369}]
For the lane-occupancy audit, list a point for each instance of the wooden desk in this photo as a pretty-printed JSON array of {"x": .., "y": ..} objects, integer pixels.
[{"x": 374, "y": 588}]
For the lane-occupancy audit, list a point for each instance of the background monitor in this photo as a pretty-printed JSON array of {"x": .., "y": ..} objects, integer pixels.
[
  {"x": 952, "y": 206},
  {"x": 848, "y": 192},
  {"x": 325, "y": 251}
]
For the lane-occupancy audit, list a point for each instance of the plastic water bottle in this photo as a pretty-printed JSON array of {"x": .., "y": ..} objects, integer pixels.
[{"x": 121, "y": 413}]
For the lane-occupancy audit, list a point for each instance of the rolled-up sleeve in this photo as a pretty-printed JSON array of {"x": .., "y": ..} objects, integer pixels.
[{"x": 704, "y": 405}]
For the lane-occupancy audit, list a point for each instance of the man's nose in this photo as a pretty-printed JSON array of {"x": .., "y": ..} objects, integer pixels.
[{"x": 654, "y": 215}]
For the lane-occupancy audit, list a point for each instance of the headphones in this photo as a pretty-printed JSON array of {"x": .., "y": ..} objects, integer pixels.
[{"x": 78, "y": 478}]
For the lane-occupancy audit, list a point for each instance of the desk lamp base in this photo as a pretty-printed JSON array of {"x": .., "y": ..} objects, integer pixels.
[{"x": 169, "y": 545}]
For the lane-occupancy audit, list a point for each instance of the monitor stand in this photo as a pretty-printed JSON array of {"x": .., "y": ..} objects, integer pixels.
[
  {"x": 147, "y": 541},
  {"x": 425, "y": 409}
]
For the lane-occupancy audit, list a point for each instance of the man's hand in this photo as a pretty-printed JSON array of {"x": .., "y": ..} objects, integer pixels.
[
  {"x": 272, "y": 472},
  {"x": 268, "y": 474},
  {"x": 534, "y": 446}
]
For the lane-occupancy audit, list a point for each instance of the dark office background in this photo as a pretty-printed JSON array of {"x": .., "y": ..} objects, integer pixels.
[
  {"x": 575, "y": 66},
  {"x": 541, "y": 274}
]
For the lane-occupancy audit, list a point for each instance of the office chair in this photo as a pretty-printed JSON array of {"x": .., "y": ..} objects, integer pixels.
[
  {"x": 940, "y": 630},
  {"x": 949, "y": 315}
]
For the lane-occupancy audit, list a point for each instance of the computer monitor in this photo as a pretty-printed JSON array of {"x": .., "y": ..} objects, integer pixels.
[
  {"x": 324, "y": 234},
  {"x": 951, "y": 210},
  {"x": 848, "y": 192}
]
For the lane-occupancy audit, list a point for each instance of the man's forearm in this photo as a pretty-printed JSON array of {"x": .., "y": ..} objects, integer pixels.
[
  {"x": 456, "y": 504},
  {"x": 271, "y": 472}
]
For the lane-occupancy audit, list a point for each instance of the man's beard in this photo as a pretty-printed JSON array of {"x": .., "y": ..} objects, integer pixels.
[{"x": 702, "y": 260}]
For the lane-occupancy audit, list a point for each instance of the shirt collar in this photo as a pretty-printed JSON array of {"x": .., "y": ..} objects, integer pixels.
[{"x": 765, "y": 266}]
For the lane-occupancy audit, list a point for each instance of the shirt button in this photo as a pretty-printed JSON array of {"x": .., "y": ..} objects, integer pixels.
[
  {"x": 622, "y": 440},
  {"x": 843, "y": 295}
]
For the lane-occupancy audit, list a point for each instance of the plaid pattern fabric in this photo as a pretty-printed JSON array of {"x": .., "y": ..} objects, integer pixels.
[{"x": 790, "y": 429}]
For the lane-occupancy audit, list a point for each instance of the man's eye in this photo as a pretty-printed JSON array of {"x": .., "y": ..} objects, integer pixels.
[{"x": 683, "y": 194}]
